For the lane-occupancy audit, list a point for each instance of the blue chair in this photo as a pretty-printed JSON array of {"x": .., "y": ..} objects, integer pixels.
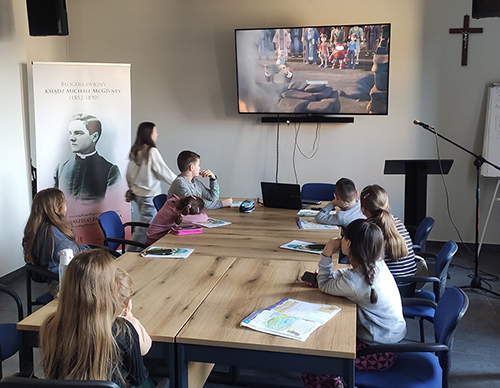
[
  {"x": 318, "y": 191},
  {"x": 421, "y": 364},
  {"x": 422, "y": 233},
  {"x": 159, "y": 201},
  {"x": 9, "y": 336},
  {"x": 114, "y": 231},
  {"x": 407, "y": 287}
]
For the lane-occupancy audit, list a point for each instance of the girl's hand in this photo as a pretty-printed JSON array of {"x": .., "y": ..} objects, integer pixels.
[{"x": 332, "y": 246}]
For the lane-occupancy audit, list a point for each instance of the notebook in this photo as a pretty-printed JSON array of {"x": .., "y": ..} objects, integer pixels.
[{"x": 281, "y": 195}]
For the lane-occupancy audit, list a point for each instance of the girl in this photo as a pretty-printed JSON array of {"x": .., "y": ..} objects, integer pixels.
[
  {"x": 125, "y": 295},
  {"x": 48, "y": 231},
  {"x": 85, "y": 339},
  {"x": 399, "y": 255},
  {"x": 173, "y": 212},
  {"x": 371, "y": 286},
  {"x": 145, "y": 170}
]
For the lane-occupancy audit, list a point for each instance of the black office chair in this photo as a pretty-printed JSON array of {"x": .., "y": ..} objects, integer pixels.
[
  {"x": 26, "y": 382},
  {"x": 9, "y": 336},
  {"x": 114, "y": 231},
  {"x": 317, "y": 191},
  {"x": 38, "y": 275},
  {"x": 159, "y": 201}
]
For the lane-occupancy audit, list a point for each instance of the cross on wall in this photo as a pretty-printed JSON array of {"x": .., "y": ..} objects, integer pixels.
[{"x": 465, "y": 31}]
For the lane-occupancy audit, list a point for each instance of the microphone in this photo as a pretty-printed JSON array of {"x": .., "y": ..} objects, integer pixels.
[{"x": 423, "y": 125}]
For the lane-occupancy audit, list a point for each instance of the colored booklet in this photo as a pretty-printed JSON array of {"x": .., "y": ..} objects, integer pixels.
[
  {"x": 167, "y": 252},
  {"x": 213, "y": 223},
  {"x": 302, "y": 246},
  {"x": 186, "y": 229},
  {"x": 307, "y": 213},
  {"x": 303, "y": 224},
  {"x": 291, "y": 318}
]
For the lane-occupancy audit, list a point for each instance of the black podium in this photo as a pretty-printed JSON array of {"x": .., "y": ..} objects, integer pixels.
[{"x": 416, "y": 172}]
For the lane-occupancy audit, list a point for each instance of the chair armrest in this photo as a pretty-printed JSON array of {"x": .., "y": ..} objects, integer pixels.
[
  {"x": 16, "y": 298},
  {"x": 427, "y": 255},
  {"x": 404, "y": 348},
  {"x": 42, "y": 271},
  {"x": 124, "y": 241},
  {"x": 136, "y": 223},
  {"x": 112, "y": 252},
  {"x": 418, "y": 302},
  {"x": 416, "y": 279}
]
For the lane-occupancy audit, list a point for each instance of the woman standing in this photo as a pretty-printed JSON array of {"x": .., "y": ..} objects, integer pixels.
[{"x": 146, "y": 169}]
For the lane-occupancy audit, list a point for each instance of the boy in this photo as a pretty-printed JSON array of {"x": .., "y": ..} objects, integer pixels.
[
  {"x": 346, "y": 198},
  {"x": 187, "y": 184}
]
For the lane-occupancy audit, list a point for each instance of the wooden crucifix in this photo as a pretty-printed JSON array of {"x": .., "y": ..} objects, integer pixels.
[{"x": 465, "y": 31}]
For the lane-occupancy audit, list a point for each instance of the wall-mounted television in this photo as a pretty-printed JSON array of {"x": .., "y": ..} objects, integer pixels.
[{"x": 329, "y": 70}]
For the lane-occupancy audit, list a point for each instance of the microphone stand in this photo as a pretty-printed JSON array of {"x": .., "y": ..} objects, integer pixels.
[{"x": 478, "y": 162}]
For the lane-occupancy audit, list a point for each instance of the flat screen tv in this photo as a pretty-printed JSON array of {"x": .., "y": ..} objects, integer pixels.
[{"x": 330, "y": 70}]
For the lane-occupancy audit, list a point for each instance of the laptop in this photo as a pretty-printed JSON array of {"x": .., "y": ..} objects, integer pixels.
[{"x": 281, "y": 195}]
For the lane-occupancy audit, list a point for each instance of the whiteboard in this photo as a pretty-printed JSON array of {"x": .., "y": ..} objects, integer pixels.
[{"x": 491, "y": 143}]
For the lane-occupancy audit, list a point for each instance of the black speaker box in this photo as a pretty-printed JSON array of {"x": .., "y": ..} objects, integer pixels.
[
  {"x": 47, "y": 17},
  {"x": 485, "y": 9}
]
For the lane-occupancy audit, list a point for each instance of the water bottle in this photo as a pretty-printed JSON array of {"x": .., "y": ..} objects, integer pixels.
[{"x": 65, "y": 256}]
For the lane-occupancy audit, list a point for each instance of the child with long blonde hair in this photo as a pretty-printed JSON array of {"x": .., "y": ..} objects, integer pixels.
[
  {"x": 85, "y": 339},
  {"x": 399, "y": 255}
]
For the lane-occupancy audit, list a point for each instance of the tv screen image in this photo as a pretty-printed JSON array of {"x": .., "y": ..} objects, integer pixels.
[{"x": 332, "y": 70}]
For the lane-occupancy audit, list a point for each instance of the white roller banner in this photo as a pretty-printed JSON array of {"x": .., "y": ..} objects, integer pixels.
[{"x": 82, "y": 126}]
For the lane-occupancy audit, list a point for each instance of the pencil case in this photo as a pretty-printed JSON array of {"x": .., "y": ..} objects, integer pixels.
[{"x": 186, "y": 229}]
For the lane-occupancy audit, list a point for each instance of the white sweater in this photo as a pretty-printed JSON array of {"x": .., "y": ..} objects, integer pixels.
[
  {"x": 378, "y": 323},
  {"x": 145, "y": 179}
]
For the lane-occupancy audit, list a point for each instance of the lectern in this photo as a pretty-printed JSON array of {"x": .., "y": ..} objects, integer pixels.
[{"x": 416, "y": 172}]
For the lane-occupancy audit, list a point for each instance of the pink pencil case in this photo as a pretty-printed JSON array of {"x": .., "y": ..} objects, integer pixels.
[{"x": 186, "y": 229}]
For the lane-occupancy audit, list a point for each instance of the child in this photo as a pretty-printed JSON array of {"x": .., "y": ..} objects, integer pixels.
[
  {"x": 125, "y": 294},
  {"x": 186, "y": 183},
  {"x": 346, "y": 198},
  {"x": 399, "y": 255},
  {"x": 352, "y": 50},
  {"x": 371, "y": 286},
  {"x": 47, "y": 232},
  {"x": 323, "y": 51},
  {"x": 85, "y": 339},
  {"x": 173, "y": 212}
]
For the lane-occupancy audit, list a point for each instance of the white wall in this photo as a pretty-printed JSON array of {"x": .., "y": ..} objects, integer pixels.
[
  {"x": 184, "y": 79},
  {"x": 17, "y": 50}
]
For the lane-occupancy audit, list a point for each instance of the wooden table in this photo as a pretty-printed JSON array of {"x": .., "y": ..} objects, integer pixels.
[
  {"x": 166, "y": 293},
  {"x": 177, "y": 301},
  {"x": 213, "y": 334},
  {"x": 256, "y": 235}
]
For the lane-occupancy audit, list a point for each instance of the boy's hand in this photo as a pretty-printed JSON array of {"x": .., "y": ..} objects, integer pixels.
[
  {"x": 340, "y": 204},
  {"x": 227, "y": 202},
  {"x": 332, "y": 247},
  {"x": 207, "y": 173}
]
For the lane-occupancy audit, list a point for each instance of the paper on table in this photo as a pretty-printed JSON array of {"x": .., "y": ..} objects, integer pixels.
[
  {"x": 302, "y": 246},
  {"x": 177, "y": 253},
  {"x": 213, "y": 223},
  {"x": 291, "y": 318},
  {"x": 313, "y": 225}
]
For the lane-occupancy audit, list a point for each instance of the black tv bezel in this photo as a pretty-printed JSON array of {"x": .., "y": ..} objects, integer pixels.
[
  {"x": 478, "y": 11},
  {"x": 305, "y": 116}
]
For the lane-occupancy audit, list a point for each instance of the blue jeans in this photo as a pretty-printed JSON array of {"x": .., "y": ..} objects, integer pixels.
[{"x": 147, "y": 212}]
